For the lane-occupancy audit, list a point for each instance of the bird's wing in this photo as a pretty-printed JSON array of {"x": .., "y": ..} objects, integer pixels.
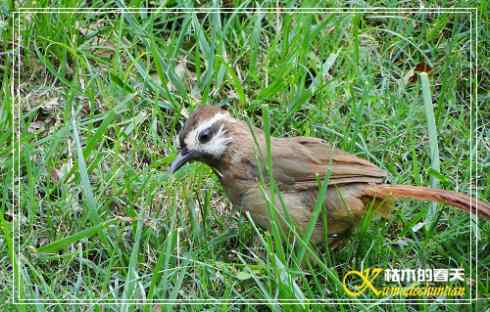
[{"x": 303, "y": 161}]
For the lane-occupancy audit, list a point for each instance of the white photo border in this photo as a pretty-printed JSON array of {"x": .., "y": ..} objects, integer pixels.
[{"x": 16, "y": 132}]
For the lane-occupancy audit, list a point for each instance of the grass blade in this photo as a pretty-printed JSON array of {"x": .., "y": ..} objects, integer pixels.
[
  {"x": 163, "y": 262},
  {"x": 6, "y": 228},
  {"x": 132, "y": 276},
  {"x": 82, "y": 167},
  {"x": 319, "y": 204},
  {"x": 433, "y": 139},
  {"x": 64, "y": 242}
]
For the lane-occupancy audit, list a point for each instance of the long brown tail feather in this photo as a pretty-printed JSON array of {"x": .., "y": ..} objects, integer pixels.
[{"x": 459, "y": 200}]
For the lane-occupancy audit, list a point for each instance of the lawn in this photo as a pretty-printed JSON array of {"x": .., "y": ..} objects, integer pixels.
[{"x": 102, "y": 92}]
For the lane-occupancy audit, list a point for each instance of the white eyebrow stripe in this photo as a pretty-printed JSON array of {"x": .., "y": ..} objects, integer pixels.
[{"x": 194, "y": 134}]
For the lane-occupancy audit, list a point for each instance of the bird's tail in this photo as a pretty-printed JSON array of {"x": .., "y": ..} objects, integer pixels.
[{"x": 459, "y": 200}]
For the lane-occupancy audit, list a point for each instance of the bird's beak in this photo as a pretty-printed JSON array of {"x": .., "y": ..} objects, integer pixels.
[{"x": 181, "y": 159}]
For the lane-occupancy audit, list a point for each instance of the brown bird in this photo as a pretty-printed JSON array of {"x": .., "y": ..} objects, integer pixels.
[{"x": 211, "y": 135}]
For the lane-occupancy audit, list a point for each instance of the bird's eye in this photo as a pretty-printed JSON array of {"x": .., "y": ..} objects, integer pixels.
[{"x": 204, "y": 136}]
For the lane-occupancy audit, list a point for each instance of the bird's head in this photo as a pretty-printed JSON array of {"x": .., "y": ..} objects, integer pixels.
[{"x": 204, "y": 137}]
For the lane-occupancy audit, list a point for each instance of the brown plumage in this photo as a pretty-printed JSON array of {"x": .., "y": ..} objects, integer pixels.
[{"x": 299, "y": 164}]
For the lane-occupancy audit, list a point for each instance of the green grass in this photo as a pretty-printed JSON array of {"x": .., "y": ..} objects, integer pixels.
[{"x": 102, "y": 97}]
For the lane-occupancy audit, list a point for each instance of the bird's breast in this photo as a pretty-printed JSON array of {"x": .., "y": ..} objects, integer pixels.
[{"x": 235, "y": 186}]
